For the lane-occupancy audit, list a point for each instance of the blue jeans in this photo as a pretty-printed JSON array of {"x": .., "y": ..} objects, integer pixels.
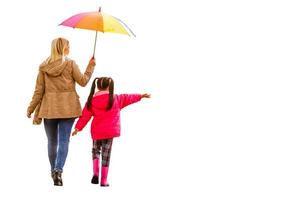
[{"x": 58, "y": 133}]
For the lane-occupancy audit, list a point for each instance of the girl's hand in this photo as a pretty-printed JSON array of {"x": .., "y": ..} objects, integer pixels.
[
  {"x": 75, "y": 132},
  {"x": 145, "y": 95}
]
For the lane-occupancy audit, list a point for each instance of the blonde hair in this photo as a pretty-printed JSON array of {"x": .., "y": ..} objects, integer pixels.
[{"x": 57, "y": 49}]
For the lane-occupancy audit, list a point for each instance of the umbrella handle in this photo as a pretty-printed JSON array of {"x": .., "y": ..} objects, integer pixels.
[{"x": 95, "y": 44}]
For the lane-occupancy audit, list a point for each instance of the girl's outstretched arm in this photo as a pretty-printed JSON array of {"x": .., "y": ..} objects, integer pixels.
[{"x": 127, "y": 99}]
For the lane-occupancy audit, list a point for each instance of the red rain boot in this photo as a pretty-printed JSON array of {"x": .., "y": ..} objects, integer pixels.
[
  {"x": 104, "y": 172},
  {"x": 95, "y": 179}
]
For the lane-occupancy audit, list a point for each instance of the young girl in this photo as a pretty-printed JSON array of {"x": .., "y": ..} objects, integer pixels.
[{"x": 105, "y": 108}]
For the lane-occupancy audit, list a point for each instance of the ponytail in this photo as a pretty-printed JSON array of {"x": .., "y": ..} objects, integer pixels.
[
  {"x": 111, "y": 94},
  {"x": 91, "y": 94}
]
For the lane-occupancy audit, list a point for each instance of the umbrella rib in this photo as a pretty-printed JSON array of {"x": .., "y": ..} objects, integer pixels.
[{"x": 125, "y": 26}]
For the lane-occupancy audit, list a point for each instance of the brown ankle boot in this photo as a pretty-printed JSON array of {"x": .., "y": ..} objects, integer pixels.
[{"x": 57, "y": 177}]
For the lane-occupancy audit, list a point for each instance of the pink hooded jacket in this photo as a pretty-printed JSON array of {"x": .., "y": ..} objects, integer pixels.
[{"x": 105, "y": 124}]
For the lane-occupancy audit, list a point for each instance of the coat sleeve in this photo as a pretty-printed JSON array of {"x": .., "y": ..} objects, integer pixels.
[
  {"x": 82, "y": 79},
  {"x": 84, "y": 119},
  {"x": 38, "y": 93},
  {"x": 127, "y": 99}
]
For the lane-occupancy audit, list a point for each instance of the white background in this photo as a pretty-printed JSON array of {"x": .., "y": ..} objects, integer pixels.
[{"x": 224, "y": 120}]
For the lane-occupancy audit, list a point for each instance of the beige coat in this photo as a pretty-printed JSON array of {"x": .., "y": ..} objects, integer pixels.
[{"x": 55, "y": 94}]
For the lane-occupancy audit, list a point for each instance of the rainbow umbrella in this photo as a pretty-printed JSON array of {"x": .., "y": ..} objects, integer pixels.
[{"x": 98, "y": 21}]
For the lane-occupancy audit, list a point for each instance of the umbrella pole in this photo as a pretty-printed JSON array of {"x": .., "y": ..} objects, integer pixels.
[
  {"x": 95, "y": 44},
  {"x": 96, "y": 37}
]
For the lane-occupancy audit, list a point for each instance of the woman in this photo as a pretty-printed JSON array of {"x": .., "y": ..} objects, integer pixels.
[{"x": 56, "y": 101}]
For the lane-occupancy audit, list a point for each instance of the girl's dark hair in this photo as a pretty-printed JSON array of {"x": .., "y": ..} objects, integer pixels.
[
  {"x": 102, "y": 84},
  {"x": 91, "y": 94}
]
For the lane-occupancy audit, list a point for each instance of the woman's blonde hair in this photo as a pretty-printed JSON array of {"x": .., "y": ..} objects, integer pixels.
[{"x": 57, "y": 49}]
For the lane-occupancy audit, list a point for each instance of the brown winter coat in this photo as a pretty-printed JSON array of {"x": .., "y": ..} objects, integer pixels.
[{"x": 55, "y": 94}]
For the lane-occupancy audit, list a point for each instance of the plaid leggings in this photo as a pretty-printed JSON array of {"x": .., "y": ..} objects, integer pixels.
[{"x": 104, "y": 146}]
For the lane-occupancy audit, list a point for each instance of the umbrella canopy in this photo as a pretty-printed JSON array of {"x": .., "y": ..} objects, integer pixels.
[{"x": 97, "y": 21}]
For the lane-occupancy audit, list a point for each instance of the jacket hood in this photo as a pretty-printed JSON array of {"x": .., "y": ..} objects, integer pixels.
[
  {"x": 100, "y": 101},
  {"x": 54, "y": 68}
]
